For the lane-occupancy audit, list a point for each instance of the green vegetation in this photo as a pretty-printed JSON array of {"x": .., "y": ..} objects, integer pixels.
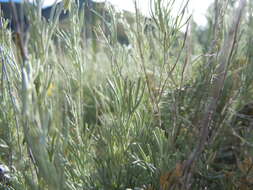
[{"x": 173, "y": 111}]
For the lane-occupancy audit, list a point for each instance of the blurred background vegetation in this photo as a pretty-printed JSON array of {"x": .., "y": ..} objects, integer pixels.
[{"x": 129, "y": 102}]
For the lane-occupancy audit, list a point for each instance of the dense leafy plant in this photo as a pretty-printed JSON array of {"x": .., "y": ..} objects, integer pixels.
[{"x": 170, "y": 111}]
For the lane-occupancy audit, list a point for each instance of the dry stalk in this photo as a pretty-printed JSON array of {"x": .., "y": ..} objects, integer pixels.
[
  {"x": 223, "y": 58},
  {"x": 20, "y": 35}
]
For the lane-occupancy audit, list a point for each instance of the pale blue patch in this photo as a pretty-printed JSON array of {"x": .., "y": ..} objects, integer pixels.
[{"x": 7, "y": 1}]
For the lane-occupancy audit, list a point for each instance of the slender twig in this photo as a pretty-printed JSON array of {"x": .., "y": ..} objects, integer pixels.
[
  {"x": 19, "y": 34},
  {"x": 13, "y": 105},
  {"x": 216, "y": 90}
]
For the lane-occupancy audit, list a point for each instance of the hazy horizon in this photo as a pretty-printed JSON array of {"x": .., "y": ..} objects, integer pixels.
[{"x": 196, "y": 7}]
